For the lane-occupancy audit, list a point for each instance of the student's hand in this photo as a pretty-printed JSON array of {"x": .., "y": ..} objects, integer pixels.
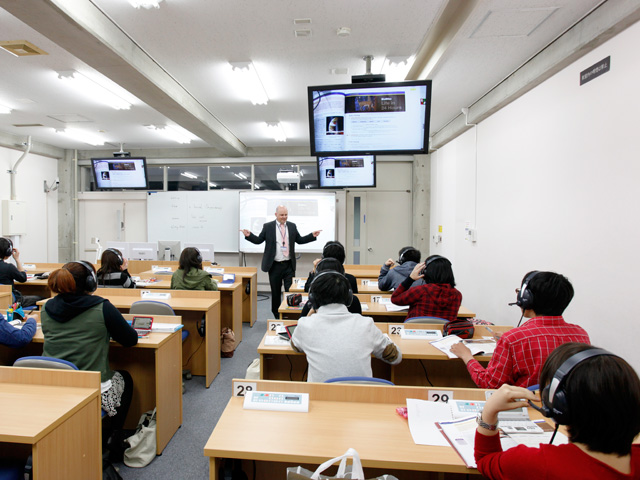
[
  {"x": 16, "y": 254},
  {"x": 507, "y": 397},
  {"x": 316, "y": 233},
  {"x": 245, "y": 232},
  {"x": 315, "y": 263},
  {"x": 390, "y": 262},
  {"x": 416, "y": 273},
  {"x": 460, "y": 350},
  {"x": 125, "y": 264}
]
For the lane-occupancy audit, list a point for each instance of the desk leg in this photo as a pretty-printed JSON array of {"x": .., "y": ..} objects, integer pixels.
[
  {"x": 212, "y": 344},
  {"x": 168, "y": 390},
  {"x": 236, "y": 300},
  {"x": 214, "y": 465}
]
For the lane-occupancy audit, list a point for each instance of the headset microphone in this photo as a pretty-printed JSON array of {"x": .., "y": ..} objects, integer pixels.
[{"x": 512, "y": 304}]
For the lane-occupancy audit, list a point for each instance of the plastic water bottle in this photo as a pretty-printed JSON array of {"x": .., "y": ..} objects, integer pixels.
[{"x": 10, "y": 315}]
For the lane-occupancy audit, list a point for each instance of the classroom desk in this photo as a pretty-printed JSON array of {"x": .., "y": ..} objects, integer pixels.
[
  {"x": 374, "y": 309},
  {"x": 53, "y": 415},
  {"x": 421, "y": 364},
  {"x": 363, "y": 271},
  {"x": 191, "y": 305},
  {"x": 41, "y": 267},
  {"x": 230, "y": 300},
  {"x": 362, "y": 417},
  {"x": 6, "y": 297},
  {"x": 155, "y": 365},
  {"x": 248, "y": 277}
]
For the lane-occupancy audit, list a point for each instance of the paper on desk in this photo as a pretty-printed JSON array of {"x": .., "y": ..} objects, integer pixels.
[
  {"x": 395, "y": 308},
  {"x": 28, "y": 266},
  {"x": 159, "y": 269},
  {"x": 444, "y": 345},
  {"x": 422, "y": 416},
  {"x": 165, "y": 327},
  {"x": 364, "y": 306},
  {"x": 275, "y": 341},
  {"x": 484, "y": 346}
]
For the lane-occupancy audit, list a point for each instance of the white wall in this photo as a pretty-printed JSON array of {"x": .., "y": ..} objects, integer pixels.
[
  {"x": 557, "y": 189},
  {"x": 40, "y": 244}
]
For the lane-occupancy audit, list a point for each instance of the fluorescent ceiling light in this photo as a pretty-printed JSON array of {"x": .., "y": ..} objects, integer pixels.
[
  {"x": 189, "y": 175},
  {"x": 82, "y": 136},
  {"x": 94, "y": 90},
  {"x": 173, "y": 132},
  {"x": 275, "y": 131},
  {"x": 249, "y": 83},
  {"x": 145, "y": 3},
  {"x": 213, "y": 185},
  {"x": 4, "y": 109},
  {"x": 397, "y": 68}
]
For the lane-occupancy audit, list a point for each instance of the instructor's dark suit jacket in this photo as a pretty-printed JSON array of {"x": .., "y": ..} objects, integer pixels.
[{"x": 268, "y": 234}]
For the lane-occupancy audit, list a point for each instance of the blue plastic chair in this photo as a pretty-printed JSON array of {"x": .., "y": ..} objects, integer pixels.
[
  {"x": 360, "y": 380},
  {"x": 426, "y": 320}
]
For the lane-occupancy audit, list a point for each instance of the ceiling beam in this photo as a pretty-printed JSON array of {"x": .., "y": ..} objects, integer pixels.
[{"x": 84, "y": 31}]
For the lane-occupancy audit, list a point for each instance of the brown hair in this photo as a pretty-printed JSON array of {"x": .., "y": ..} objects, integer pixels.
[{"x": 68, "y": 279}]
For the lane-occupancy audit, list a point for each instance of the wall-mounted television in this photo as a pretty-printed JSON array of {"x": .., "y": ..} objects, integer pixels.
[
  {"x": 370, "y": 118},
  {"x": 347, "y": 171},
  {"x": 120, "y": 173}
]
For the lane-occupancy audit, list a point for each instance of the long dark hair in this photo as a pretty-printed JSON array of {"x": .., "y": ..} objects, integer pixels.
[{"x": 190, "y": 257}]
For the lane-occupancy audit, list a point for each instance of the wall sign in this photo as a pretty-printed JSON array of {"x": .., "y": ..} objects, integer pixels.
[{"x": 595, "y": 70}]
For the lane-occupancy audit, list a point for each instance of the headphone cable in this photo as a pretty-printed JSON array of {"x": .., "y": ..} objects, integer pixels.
[
  {"x": 554, "y": 434},
  {"x": 519, "y": 321}
]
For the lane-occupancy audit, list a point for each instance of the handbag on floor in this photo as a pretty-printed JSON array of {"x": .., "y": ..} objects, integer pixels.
[
  {"x": 253, "y": 370},
  {"x": 142, "y": 448},
  {"x": 353, "y": 471},
  {"x": 227, "y": 343}
]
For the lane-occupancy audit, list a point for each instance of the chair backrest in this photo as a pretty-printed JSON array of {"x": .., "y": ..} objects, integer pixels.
[
  {"x": 151, "y": 307},
  {"x": 360, "y": 380},
  {"x": 44, "y": 362},
  {"x": 426, "y": 320}
]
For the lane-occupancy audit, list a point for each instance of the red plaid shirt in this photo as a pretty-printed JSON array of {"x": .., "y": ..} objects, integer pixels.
[
  {"x": 429, "y": 300},
  {"x": 522, "y": 351}
]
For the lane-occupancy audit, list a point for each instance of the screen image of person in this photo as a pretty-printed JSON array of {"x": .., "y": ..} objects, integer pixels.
[
  {"x": 279, "y": 258},
  {"x": 591, "y": 391}
]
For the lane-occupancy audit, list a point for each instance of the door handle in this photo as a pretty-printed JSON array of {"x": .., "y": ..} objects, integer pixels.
[{"x": 370, "y": 249}]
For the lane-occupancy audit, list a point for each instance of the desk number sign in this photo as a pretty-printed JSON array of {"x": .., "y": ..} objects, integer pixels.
[
  {"x": 240, "y": 389},
  {"x": 442, "y": 396}
]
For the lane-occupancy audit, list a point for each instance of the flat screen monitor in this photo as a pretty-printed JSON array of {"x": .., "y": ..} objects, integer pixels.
[
  {"x": 347, "y": 171},
  {"x": 143, "y": 250},
  {"x": 122, "y": 246},
  {"x": 370, "y": 118},
  {"x": 120, "y": 173},
  {"x": 206, "y": 250},
  {"x": 169, "y": 250}
]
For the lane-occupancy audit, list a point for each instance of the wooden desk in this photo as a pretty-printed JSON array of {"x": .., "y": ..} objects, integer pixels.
[
  {"x": 362, "y": 417},
  {"x": 421, "y": 362},
  {"x": 53, "y": 415},
  {"x": 248, "y": 276},
  {"x": 155, "y": 365},
  {"x": 363, "y": 271},
  {"x": 41, "y": 267},
  {"x": 230, "y": 300},
  {"x": 6, "y": 297},
  {"x": 191, "y": 305},
  {"x": 374, "y": 309}
]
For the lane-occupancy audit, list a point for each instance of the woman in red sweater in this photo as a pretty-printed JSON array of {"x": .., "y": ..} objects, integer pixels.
[{"x": 596, "y": 395}]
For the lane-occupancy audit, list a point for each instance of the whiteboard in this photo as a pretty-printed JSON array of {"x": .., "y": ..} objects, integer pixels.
[
  {"x": 310, "y": 211},
  {"x": 197, "y": 217}
]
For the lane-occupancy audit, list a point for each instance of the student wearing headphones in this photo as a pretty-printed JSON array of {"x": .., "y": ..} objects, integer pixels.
[
  {"x": 596, "y": 395},
  {"x": 333, "y": 265},
  {"x": 336, "y": 251},
  {"x": 17, "y": 337},
  {"x": 77, "y": 326},
  {"x": 437, "y": 297},
  {"x": 113, "y": 270},
  {"x": 521, "y": 352},
  {"x": 10, "y": 272},
  {"x": 190, "y": 275},
  {"x": 391, "y": 276},
  {"x": 338, "y": 343}
]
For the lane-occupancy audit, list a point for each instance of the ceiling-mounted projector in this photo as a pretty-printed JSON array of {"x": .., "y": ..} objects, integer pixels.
[{"x": 288, "y": 177}]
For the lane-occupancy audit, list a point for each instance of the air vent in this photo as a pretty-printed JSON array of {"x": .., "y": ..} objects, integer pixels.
[
  {"x": 19, "y": 125},
  {"x": 70, "y": 118},
  {"x": 21, "y": 48},
  {"x": 302, "y": 21},
  {"x": 339, "y": 71},
  {"x": 303, "y": 33}
]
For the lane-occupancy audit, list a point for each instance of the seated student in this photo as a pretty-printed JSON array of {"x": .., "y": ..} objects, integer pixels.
[
  {"x": 338, "y": 343},
  {"x": 437, "y": 297},
  {"x": 77, "y": 326},
  {"x": 591, "y": 391},
  {"x": 113, "y": 270},
  {"x": 333, "y": 265},
  {"x": 10, "y": 272},
  {"x": 521, "y": 352},
  {"x": 17, "y": 337},
  {"x": 337, "y": 251},
  {"x": 390, "y": 278},
  {"x": 190, "y": 275}
]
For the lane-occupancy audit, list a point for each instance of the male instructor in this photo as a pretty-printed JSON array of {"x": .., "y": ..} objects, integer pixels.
[{"x": 280, "y": 252}]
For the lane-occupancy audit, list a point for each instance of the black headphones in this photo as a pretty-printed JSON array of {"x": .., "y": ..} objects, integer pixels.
[
  {"x": 330, "y": 244},
  {"x": 525, "y": 296},
  {"x": 90, "y": 282},
  {"x": 9, "y": 250},
  {"x": 554, "y": 396},
  {"x": 117, "y": 254},
  {"x": 312, "y": 298},
  {"x": 401, "y": 260},
  {"x": 202, "y": 327},
  {"x": 430, "y": 261},
  {"x": 199, "y": 256}
]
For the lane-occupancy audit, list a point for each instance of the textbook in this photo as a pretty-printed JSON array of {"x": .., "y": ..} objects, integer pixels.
[{"x": 165, "y": 327}]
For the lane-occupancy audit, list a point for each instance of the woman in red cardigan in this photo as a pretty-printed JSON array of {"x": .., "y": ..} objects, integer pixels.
[{"x": 596, "y": 395}]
